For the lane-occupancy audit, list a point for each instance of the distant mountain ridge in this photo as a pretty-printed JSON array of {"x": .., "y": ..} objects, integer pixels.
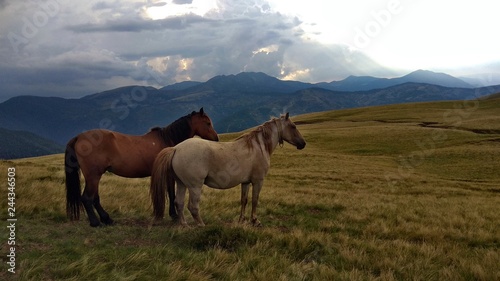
[
  {"x": 181, "y": 85},
  {"x": 234, "y": 102},
  {"x": 366, "y": 83}
]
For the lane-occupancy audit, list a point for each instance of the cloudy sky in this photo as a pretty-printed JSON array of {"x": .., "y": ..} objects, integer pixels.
[{"x": 74, "y": 48}]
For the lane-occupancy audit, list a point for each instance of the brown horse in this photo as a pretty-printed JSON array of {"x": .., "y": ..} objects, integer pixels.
[
  {"x": 220, "y": 165},
  {"x": 98, "y": 151}
]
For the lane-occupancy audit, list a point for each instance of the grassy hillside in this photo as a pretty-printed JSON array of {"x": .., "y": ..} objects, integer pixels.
[
  {"x": 403, "y": 192},
  {"x": 20, "y": 144}
]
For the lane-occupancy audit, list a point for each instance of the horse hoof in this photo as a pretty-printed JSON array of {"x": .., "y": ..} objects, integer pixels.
[
  {"x": 256, "y": 223},
  {"x": 95, "y": 224},
  {"x": 108, "y": 221}
]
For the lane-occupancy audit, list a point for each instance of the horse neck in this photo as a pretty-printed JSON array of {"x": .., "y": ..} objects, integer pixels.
[
  {"x": 279, "y": 128},
  {"x": 272, "y": 136},
  {"x": 177, "y": 132}
]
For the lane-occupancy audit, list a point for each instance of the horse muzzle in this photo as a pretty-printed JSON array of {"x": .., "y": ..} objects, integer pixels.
[{"x": 301, "y": 145}]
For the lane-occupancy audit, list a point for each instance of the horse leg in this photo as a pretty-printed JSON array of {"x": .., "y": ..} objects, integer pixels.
[
  {"x": 256, "y": 187},
  {"x": 244, "y": 200},
  {"x": 194, "y": 204},
  {"x": 88, "y": 197},
  {"x": 179, "y": 202},
  {"x": 171, "y": 197},
  {"x": 102, "y": 213}
]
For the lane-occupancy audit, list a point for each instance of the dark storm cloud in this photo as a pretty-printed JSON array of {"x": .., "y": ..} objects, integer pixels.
[
  {"x": 3, "y": 3},
  {"x": 140, "y": 24},
  {"x": 102, "y": 6},
  {"x": 83, "y": 47},
  {"x": 182, "y": 2}
]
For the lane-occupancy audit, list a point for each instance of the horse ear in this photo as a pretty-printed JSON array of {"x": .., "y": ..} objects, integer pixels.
[
  {"x": 287, "y": 116},
  {"x": 201, "y": 111},
  {"x": 193, "y": 113}
]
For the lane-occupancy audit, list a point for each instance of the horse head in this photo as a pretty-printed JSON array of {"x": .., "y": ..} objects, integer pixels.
[
  {"x": 202, "y": 126},
  {"x": 289, "y": 132}
]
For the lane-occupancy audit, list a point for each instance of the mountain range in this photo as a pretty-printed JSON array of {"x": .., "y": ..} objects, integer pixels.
[
  {"x": 234, "y": 102},
  {"x": 365, "y": 83}
]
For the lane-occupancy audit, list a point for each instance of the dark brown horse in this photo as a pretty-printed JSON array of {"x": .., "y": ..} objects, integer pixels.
[{"x": 98, "y": 151}]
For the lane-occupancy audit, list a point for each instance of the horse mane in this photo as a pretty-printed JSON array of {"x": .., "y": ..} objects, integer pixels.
[
  {"x": 176, "y": 132},
  {"x": 265, "y": 130}
]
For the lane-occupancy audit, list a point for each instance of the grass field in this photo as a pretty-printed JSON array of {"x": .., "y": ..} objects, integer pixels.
[{"x": 403, "y": 192}]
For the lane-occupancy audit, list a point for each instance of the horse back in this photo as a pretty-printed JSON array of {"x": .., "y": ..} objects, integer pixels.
[{"x": 122, "y": 154}]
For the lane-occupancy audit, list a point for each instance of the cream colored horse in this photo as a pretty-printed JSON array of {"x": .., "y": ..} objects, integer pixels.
[{"x": 220, "y": 165}]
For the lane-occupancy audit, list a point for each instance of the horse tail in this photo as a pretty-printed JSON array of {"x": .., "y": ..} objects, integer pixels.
[
  {"x": 163, "y": 178},
  {"x": 72, "y": 170}
]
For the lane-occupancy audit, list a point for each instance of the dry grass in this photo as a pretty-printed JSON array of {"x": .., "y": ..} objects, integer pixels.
[{"x": 406, "y": 192}]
